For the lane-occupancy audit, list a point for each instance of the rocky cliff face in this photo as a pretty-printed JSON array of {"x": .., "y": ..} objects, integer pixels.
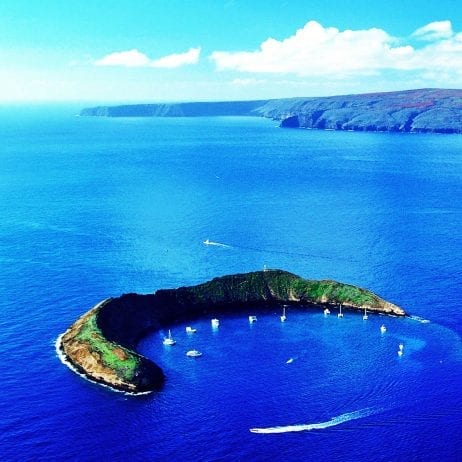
[
  {"x": 424, "y": 110},
  {"x": 100, "y": 344}
]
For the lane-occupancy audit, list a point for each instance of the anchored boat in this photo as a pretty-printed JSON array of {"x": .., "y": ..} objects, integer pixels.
[
  {"x": 169, "y": 340},
  {"x": 193, "y": 354}
]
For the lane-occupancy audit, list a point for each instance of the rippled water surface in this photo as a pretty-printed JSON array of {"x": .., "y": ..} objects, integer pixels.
[{"x": 95, "y": 207}]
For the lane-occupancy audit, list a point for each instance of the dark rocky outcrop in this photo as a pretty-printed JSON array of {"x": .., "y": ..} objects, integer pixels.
[
  {"x": 101, "y": 343},
  {"x": 423, "y": 110},
  {"x": 290, "y": 122}
]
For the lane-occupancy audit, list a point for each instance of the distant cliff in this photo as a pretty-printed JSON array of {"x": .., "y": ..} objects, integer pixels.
[
  {"x": 424, "y": 110},
  {"x": 204, "y": 109},
  {"x": 100, "y": 344}
]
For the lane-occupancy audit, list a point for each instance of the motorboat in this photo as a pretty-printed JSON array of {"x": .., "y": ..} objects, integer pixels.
[
  {"x": 283, "y": 316},
  {"x": 252, "y": 319},
  {"x": 193, "y": 354},
  {"x": 215, "y": 322},
  {"x": 169, "y": 339},
  {"x": 190, "y": 330},
  {"x": 326, "y": 311},
  {"x": 383, "y": 329}
]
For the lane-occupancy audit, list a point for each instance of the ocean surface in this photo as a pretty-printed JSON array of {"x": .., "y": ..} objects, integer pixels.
[{"x": 96, "y": 207}]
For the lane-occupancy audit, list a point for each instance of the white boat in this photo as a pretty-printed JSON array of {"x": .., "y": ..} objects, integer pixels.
[
  {"x": 207, "y": 242},
  {"x": 215, "y": 322},
  {"x": 326, "y": 311},
  {"x": 290, "y": 361},
  {"x": 400, "y": 352},
  {"x": 365, "y": 316},
  {"x": 383, "y": 329},
  {"x": 401, "y": 347},
  {"x": 169, "y": 340},
  {"x": 193, "y": 354},
  {"x": 340, "y": 314},
  {"x": 283, "y": 316},
  {"x": 252, "y": 319},
  {"x": 190, "y": 330}
]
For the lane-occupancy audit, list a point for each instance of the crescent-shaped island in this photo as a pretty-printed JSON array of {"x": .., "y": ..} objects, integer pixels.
[{"x": 101, "y": 344}]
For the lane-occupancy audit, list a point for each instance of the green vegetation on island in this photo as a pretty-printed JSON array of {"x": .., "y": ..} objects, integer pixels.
[
  {"x": 122, "y": 361},
  {"x": 101, "y": 343}
]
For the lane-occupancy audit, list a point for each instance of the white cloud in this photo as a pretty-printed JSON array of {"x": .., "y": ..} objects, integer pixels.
[
  {"x": 315, "y": 50},
  {"x": 247, "y": 82},
  {"x": 434, "y": 31},
  {"x": 326, "y": 52},
  {"x": 130, "y": 58},
  {"x": 176, "y": 60},
  {"x": 134, "y": 58}
]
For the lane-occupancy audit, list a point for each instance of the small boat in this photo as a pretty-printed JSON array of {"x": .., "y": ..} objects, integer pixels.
[
  {"x": 290, "y": 361},
  {"x": 169, "y": 340},
  {"x": 193, "y": 354},
  {"x": 401, "y": 347},
  {"x": 400, "y": 352},
  {"x": 326, "y": 311},
  {"x": 383, "y": 329},
  {"x": 190, "y": 330},
  {"x": 207, "y": 242},
  {"x": 340, "y": 314},
  {"x": 283, "y": 316},
  {"x": 215, "y": 322},
  {"x": 252, "y": 319},
  {"x": 365, "y": 316}
]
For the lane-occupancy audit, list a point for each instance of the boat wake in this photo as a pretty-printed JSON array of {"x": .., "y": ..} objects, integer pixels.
[
  {"x": 317, "y": 426},
  {"x": 217, "y": 244},
  {"x": 419, "y": 319}
]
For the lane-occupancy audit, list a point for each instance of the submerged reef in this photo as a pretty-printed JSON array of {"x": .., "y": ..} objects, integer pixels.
[{"x": 101, "y": 344}]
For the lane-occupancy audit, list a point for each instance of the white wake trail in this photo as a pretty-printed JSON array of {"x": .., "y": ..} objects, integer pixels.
[
  {"x": 217, "y": 244},
  {"x": 317, "y": 426}
]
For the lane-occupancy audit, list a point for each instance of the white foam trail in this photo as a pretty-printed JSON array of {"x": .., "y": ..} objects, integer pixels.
[
  {"x": 419, "y": 319},
  {"x": 317, "y": 426},
  {"x": 218, "y": 244}
]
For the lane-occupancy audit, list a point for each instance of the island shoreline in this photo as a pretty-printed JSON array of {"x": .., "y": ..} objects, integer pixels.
[{"x": 100, "y": 345}]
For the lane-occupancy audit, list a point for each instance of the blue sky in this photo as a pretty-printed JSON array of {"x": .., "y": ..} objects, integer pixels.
[{"x": 171, "y": 50}]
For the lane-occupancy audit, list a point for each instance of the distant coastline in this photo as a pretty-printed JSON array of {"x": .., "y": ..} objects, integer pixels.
[
  {"x": 428, "y": 110},
  {"x": 100, "y": 345}
]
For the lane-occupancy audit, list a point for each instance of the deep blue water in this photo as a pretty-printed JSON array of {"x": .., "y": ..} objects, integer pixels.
[{"x": 94, "y": 207}]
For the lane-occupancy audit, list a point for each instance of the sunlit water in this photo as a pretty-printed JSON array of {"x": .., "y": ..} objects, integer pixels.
[{"x": 93, "y": 208}]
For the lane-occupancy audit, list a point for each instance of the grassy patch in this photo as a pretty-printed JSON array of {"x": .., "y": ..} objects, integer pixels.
[
  {"x": 334, "y": 292},
  {"x": 121, "y": 360}
]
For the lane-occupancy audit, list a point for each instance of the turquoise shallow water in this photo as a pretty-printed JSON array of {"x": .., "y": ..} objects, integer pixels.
[{"x": 93, "y": 208}]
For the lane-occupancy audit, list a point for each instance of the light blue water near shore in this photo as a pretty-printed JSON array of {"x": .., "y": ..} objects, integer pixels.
[{"x": 93, "y": 208}]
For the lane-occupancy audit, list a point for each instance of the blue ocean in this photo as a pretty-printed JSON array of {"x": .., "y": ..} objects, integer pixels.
[{"x": 97, "y": 207}]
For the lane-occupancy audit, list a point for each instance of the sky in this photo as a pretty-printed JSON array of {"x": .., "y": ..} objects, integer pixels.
[{"x": 208, "y": 50}]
